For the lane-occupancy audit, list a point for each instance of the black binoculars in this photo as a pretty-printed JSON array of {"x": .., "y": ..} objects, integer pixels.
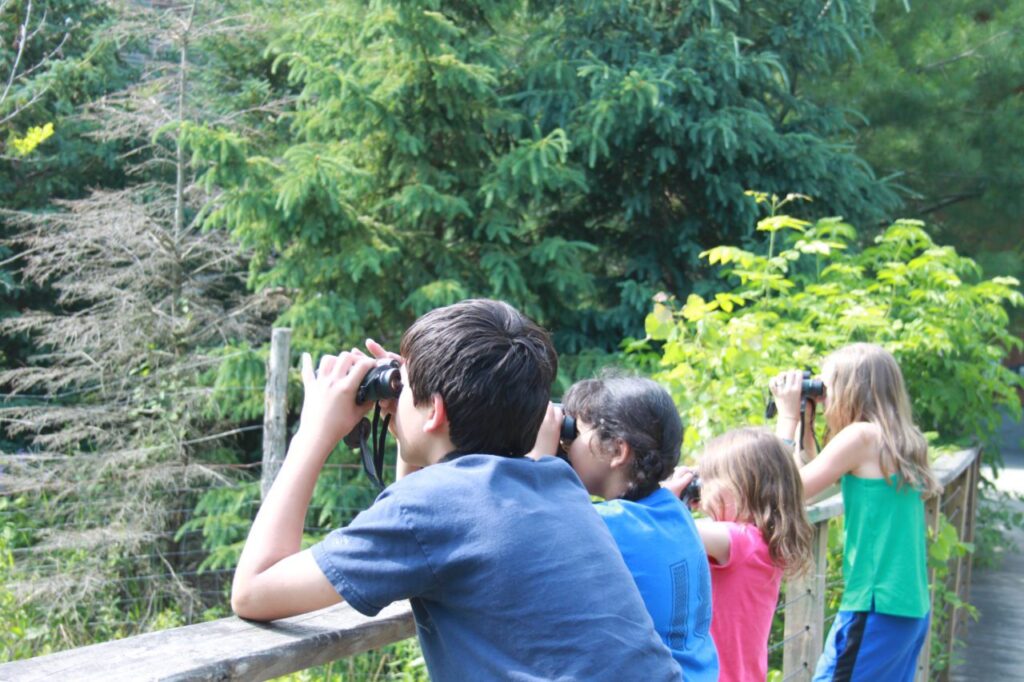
[
  {"x": 809, "y": 388},
  {"x": 383, "y": 382},
  {"x": 691, "y": 493},
  {"x": 567, "y": 432}
]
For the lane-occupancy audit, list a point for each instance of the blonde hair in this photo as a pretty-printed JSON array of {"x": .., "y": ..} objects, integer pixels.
[
  {"x": 867, "y": 386},
  {"x": 760, "y": 472}
]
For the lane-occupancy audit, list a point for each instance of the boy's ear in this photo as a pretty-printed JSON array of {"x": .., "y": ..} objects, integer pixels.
[
  {"x": 623, "y": 455},
  {"x": 438, "y": 415}
]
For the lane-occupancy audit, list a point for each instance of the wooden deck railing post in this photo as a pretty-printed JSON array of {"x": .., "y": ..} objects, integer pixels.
[
  {"x": 973, "y": 479},
  {"x": 805, "y": 613},
  {"x": 931, "y": 515},
  {"x": 275, "y": 407},
  {"x": 958, "y": 501}
]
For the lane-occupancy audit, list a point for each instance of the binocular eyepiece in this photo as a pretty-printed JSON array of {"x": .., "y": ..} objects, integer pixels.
[
  {"x": 567, "y": 433},
  {"x": 383, "y": 382}
]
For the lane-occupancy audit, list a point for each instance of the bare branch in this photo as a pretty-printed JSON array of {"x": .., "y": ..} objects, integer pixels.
[
  {"x": 25, "y": 34},
  {"x": 970, "y": 52}
]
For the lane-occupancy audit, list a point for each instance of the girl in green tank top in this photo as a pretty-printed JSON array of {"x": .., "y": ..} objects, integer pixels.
[{"x": 881, "y": 459}]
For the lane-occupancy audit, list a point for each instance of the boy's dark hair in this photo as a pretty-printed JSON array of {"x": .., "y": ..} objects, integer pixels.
[
  {"x": 636, "y": 411},
  {"x": 492, "y": 366}
]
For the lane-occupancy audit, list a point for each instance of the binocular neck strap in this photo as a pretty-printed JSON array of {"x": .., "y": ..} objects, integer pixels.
[{"x": 372, "y": 457}]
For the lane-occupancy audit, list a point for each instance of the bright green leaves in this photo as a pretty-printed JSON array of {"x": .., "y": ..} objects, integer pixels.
[
  {"x": 315, "y": 171},
  {"x": 33, "y": 137},
  {"x": 531, "y": 169},
  {"x": 781, "y": 222},
  {"x": 435, "y": 294},
  {"x": 928, "y": 305}
]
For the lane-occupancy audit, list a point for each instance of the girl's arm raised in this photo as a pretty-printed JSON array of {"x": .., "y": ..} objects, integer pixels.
[
  {"x": 786, "y": 390},
  {"x": 854, "y": 449},
  {"x": 715, "y": 536}
]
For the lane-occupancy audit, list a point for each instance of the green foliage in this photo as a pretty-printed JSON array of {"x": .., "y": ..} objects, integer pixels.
[
  {"x": 946, "y": 325},
  {"x": 223, "y": 515},
  {"x": 999, "y": 513},
  {"x": 35, "y": 136},
  {"x": 22, "y": 625},
  {"x": 398, "y": 662},
  {"x": 944, "y": 547},
  {"x": 940, "y": 90},
  {"x": 573, "y": 159}
]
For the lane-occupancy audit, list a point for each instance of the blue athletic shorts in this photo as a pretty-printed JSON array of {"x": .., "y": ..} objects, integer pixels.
[{"x": 871, "y": 646}]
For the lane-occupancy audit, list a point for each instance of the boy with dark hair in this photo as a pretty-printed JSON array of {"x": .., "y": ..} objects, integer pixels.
[{"x": 510, "y": 572}]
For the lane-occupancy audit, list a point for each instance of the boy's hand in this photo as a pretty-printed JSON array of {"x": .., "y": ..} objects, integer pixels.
[
  {"x": 547, "y": 435},
  {"x": 329, "y": 409}
]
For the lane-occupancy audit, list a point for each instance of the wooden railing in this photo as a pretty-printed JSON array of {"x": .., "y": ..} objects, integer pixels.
[{"x": 233, "y": 649}]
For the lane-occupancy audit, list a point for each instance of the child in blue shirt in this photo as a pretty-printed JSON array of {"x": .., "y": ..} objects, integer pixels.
[
  {"x": 510, "y": 573},
  {"x": 627, "y": 440}
]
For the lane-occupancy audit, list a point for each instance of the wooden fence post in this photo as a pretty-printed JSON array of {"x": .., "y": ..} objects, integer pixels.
[
  {"x": 803, "y": 632},
  {"x": 275, "y": 407}
]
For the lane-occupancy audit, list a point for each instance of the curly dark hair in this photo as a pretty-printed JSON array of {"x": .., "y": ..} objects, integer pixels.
[{"x": 638, "y": 412}]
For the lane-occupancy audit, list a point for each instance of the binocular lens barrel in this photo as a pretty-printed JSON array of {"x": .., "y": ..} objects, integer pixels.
[{"x": 383, "y": 382}]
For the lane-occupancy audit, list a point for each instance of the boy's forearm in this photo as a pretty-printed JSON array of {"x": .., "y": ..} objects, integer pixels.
[{"x": 276, "y": 532}]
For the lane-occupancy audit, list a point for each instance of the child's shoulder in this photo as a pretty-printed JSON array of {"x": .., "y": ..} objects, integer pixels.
[
  {"x": 859, "y": 432},
  {"x": 858, "y": 448},
  {"x": 464, "y": 478},
  {"x": 861, "y": 437}
]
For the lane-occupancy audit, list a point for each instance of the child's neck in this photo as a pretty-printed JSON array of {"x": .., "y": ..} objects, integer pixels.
[{"x": 614, "y": 487}]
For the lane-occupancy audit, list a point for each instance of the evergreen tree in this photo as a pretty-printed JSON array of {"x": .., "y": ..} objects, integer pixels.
[
  {"x": 65, "y": 59},
  {"x": 942, "y": 93},
  {"x": 573, "y": 158},
  {"x": 123, "y": 420}
]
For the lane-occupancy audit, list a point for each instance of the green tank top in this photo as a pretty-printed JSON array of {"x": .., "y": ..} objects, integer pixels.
[{"x": 884, "y": 560}]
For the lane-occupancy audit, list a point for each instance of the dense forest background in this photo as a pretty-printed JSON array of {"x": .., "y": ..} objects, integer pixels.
[{"x": 178, "y": 177}]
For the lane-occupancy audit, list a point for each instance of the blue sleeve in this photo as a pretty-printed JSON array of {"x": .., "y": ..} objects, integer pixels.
[{"x": 377, "y": 559}]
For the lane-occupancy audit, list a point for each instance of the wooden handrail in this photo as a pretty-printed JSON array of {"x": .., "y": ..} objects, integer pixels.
[
  {"x": 234, "y": 649},
  {"x": 225, "y": 649}
]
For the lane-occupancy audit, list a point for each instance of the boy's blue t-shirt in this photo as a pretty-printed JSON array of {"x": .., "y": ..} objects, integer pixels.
[
  {"x": 510, "y": 572},
  {"x": 661, "y": 546}
]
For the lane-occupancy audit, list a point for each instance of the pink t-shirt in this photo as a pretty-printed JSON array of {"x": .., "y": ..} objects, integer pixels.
[{"x": 744, "y": 594}]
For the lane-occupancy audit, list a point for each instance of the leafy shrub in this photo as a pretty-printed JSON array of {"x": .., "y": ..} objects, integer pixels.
[
  {"x": 932, "y": 308},
  {"x": 946, "y": 324}
]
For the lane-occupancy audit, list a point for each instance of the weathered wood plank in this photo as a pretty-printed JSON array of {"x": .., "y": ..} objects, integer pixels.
[
  {"x": 949, "y": 467},
  {"x": 804, "y": 620},
  {"x": 275, "y": 408},
  {"x": 226, "y": 649}
]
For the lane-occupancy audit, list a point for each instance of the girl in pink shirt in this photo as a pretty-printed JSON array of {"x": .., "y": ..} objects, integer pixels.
[{"x": 756, "y": 531}]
